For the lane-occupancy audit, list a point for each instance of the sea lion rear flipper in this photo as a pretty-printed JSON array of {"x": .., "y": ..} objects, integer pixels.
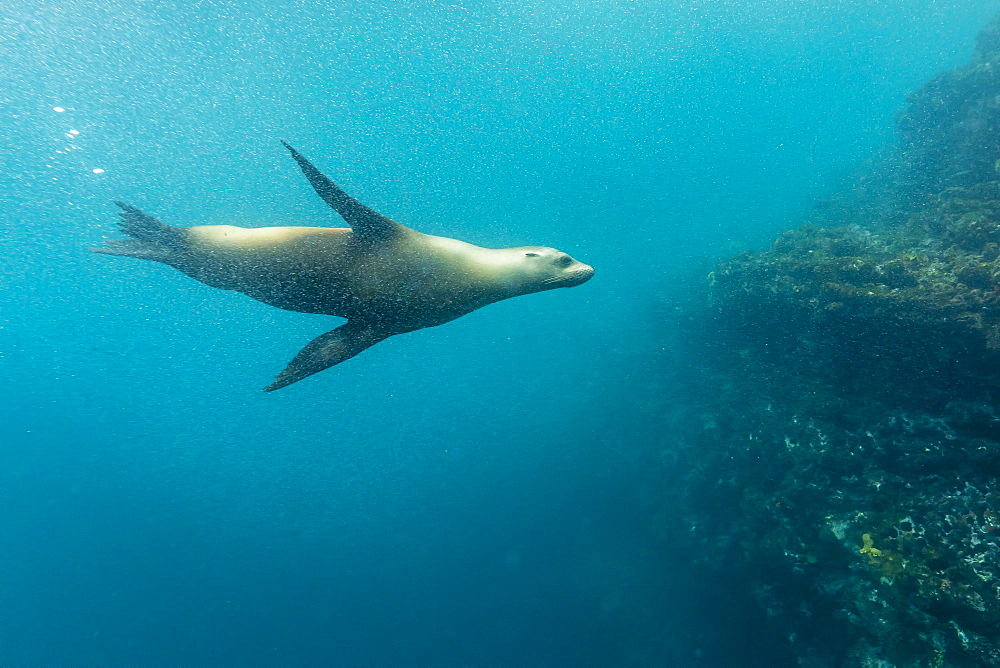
[
  {"x": 151, "y": 239},
  {"x": 366, "y": 223},
  {"x": 327, "y": 350}
]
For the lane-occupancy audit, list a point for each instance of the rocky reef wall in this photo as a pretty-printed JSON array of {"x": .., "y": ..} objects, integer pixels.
[{"x": 844, "y": 446}]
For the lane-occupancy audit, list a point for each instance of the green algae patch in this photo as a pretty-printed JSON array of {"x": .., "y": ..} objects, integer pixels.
[{"x": 889, "y": 564}]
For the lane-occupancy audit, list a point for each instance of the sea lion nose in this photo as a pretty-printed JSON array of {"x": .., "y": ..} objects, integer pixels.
[{"x": 581, "y": 274}]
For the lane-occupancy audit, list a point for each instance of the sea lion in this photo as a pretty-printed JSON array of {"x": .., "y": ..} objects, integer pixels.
[{"x": 385, "y": 278}]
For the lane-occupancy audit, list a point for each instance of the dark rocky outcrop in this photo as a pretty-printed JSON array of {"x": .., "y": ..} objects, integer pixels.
[{"x": 844, "y": 449}]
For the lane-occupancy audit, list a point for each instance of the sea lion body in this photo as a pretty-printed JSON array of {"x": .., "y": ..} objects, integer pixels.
[
  {"x": 412, "y": 281},
  {"x": 385, "y": 278}
]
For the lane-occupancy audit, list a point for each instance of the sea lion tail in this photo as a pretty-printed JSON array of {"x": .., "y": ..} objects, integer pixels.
[
  {"x": 327, "y": 350},
  {"x": 151, "y": 239}
]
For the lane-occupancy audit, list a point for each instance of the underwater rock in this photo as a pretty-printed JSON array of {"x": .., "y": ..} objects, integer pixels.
[
  {"x": 899, "y": 313},
  {"x": 949, "y": 133},
  {"x": 841, "y": 443}
]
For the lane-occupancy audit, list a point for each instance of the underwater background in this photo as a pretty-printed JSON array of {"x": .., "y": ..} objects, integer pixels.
[{"x": 490, "y": 492}]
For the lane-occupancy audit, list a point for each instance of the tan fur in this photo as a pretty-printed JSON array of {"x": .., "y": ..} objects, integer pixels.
[{"x": 413, "y": 281}]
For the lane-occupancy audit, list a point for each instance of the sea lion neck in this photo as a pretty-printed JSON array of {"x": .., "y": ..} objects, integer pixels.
[{"x": 489, "y": 269}]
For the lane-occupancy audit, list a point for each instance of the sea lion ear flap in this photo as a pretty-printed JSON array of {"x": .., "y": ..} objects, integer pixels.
[
  {"x": 327, "y": 350},
  {"x": 366, "y": 223}
]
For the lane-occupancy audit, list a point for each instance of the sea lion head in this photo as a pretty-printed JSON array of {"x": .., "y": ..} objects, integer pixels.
[{"x": 537, "y": 268}]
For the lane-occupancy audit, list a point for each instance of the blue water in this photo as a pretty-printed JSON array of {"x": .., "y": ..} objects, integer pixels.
[{"x": 482, "y": 493}]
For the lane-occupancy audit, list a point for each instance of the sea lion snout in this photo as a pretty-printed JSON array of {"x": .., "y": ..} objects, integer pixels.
[
  {"x": 579, "y": 275},
  {"x": 551, "y": 268},
  {"x": 571, "y": 272},
  {"x": 556, "y": 269}
]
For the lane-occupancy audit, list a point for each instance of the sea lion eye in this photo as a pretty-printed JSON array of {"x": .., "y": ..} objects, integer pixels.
[
  {"x": 564, "y": 261},
  {"x": 532, "y": 254}
]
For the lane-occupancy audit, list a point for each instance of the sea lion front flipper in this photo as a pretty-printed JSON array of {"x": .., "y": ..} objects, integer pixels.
[
  {"x": 366, "y": 223},
  {"x": 327, "y": 350}
]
